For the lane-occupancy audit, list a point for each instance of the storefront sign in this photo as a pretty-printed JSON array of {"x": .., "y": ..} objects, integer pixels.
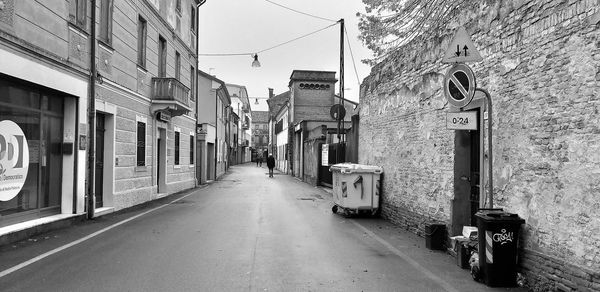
[
  {"x": 14, "y": 159},
  {"x": 325, "y": 155},
  {"x": 163, "y": 116}
]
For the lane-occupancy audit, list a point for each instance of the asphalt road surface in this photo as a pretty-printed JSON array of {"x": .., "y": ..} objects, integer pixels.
[{"x": 246, "y": 232}]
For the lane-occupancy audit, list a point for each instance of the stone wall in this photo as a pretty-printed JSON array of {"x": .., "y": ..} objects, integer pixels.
[{"x": 541, "y": 66}]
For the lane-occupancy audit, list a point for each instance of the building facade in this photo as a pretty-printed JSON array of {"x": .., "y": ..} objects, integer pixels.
[
  {"x": 240, "y": 105},
  {"x": 540, "y": 65},
  {"x": 312, "y": 98},
  {"x": 281, "y": 123},
  {"x": 44, "y": 97},
  {"x": 127, "y": 123},
  {"x": 275, "y": 103},
  {"x": 212, "y": 128},
  {"x": 145, "y": 109},
  {"x": 260, "y": 134}
]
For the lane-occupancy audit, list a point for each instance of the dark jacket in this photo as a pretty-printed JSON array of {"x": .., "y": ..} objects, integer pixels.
[{"x": 270, "y": 162}]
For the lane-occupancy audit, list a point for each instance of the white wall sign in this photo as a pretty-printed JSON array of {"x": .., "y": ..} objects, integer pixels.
[
  {"x": 14, "y": 159},
  {"x": 461, "y": 120},
  {"x": 325, "y": 155}
]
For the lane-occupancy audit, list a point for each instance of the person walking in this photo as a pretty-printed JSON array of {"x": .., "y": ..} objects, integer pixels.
[
  {"x": 270, "y": 164},
  {"x": 257, "y": 159}
]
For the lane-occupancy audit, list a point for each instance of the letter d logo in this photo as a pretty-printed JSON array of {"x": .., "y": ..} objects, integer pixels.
[{"x": 14, "y": 159}]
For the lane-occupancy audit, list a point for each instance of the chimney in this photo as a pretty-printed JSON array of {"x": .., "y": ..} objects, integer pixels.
[{"x": 271, "y": 92}]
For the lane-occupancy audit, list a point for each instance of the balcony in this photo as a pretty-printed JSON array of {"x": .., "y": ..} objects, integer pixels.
[{"x": 171, "y": 95}]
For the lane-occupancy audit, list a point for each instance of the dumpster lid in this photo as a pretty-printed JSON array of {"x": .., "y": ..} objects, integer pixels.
[{"x": 353, "y": 167}]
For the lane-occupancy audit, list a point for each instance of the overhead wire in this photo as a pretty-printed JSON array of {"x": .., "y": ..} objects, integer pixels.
[
  {"x": 352, "y": 55},
  {"x": 297, "y": 38},
  {"x": 269, "y": 48},
  {"x": 294, "y": 10},
  {"x": 303, "y": 36}
]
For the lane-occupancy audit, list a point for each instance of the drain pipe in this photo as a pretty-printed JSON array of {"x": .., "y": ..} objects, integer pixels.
[
  {"x": 92, "y": 118},
  {"x": 488, "y": 98}
]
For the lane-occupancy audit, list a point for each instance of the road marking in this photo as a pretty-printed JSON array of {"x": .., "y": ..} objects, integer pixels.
[
  {"x": 405, "y": 257},
  {"x": 76, "y": 242}
]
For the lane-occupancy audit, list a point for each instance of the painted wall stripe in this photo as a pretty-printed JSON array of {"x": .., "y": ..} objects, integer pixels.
[{"x": 489, "y": 247}]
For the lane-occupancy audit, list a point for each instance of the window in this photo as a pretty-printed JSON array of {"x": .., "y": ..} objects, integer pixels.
[
  {"x": 141, "y": 144},
  {"x": 193, "y": 18},
  {"x": 78, "y": 12},
  {"x": 192, "y": 80},
  {"x": 177, "y": 134},
  {"x": 142, "y": 34},
  {"x": 191, "y": 149},
  {"x": 106, "y": 21},
  {"x": 177, "y": 66},
  {"x": 162, "y": 57}
]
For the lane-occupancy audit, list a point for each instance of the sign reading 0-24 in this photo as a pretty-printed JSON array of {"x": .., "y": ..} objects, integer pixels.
[{"x": 459, "y": 85}]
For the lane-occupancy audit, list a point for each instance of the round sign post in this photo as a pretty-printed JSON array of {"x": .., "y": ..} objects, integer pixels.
[
  {"x": 459, "y": 85},
  {"x": 337, "y": 112}
]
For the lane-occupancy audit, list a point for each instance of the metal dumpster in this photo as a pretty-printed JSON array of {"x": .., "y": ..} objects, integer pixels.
[{"x": 356, "y": 188}]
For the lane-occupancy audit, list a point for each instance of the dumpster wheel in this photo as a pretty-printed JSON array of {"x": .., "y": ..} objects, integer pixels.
[{"x": 334, "y": 209}]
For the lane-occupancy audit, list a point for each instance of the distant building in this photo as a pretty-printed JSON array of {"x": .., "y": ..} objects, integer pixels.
[
  {"x": 301, "y": 123},
  {"x": 213, "y": 121},
  {"x": 240, "y": 105},
  {"x": 276, "y": 102},
  {"x": 260, "y": 133}
]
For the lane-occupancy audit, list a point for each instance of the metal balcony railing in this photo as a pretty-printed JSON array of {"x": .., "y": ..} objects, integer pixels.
[{"x": 170, "y": 89}]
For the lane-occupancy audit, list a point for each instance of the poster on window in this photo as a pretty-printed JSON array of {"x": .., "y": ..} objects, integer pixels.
[
  {"x": 14, "y": 159},
  {"x": 325, "y": 155}
]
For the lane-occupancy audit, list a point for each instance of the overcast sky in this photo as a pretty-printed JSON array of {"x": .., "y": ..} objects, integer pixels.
[{"x": 248, "y": 26}]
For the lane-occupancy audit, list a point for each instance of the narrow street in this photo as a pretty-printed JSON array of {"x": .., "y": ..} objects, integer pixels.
[{"x": 246, "y": 232}]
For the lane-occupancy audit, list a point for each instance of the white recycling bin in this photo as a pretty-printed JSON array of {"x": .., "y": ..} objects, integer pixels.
[{"x": 356, "y": 188}]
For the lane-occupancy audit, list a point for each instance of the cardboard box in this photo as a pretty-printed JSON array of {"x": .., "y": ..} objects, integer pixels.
[{"x": 470, "y": 232}]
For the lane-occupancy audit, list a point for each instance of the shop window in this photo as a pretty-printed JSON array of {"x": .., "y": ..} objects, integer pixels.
[
  {"x": 141, "y": 144},
  {"x": 142, "y": 34},
  {"x": 32, "y": 122},
  {"x": 177, "y": 134}
]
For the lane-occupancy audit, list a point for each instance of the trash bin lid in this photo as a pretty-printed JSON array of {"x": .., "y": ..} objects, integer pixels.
[
  {"x": 355, "y": 168},
  {"x": 498, "y": 215}
]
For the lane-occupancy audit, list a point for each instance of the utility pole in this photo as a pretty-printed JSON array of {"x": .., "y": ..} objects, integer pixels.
[{"x": 339, "y": 136}]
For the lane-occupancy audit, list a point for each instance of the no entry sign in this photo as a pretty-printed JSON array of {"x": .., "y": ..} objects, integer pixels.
[{"x": 459, "y": 85}]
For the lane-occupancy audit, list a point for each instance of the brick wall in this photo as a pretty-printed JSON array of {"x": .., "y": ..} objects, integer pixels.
[{"x": 541, "y": 66}]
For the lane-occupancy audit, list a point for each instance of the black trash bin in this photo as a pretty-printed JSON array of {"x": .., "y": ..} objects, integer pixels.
[{"x": 498, "y": 246}]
